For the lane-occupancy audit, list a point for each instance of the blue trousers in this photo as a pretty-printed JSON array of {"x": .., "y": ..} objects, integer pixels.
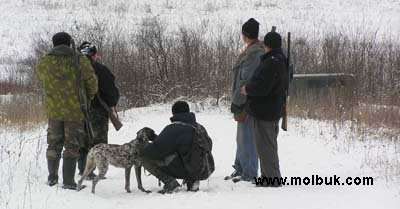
[{"x": 246, "y": 160}]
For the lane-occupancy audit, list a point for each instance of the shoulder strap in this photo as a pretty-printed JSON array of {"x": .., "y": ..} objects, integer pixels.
[{"x": 185, "y": 124}]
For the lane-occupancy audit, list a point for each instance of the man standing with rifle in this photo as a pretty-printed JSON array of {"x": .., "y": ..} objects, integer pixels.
[
  {"x": 266, "y": 95},
  {"x": 68, "y": 82},
  {"x": 102, "y": 108}
]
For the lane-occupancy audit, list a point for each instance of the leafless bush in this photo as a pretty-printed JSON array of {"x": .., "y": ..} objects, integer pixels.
[
  {"x": 375, "y": 66},
  {"x": 154, "y": 65},
  {"x": 51, "y": 4}
]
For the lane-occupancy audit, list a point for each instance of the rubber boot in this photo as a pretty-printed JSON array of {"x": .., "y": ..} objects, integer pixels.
[
  {"x": 68, "y": 170},
  {"x": 170, "y": 183},
  {"x": 192, "y": 185},
  {"x": 52, "y": 166},
  {"x": 82, "y": 163}
]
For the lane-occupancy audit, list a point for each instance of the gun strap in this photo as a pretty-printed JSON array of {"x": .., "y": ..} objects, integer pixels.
[{"x": 81, "y": 91}]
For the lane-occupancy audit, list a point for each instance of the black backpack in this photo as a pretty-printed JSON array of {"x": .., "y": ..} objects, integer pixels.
[{"x": 199, "y": 163}]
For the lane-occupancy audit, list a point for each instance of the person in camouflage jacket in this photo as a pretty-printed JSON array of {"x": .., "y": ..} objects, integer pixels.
[{"x": 65, "y": 126}]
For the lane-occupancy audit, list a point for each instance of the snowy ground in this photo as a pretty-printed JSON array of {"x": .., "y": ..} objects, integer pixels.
[
  {"x": 309, "y": 148},
  {"x": 19, "y": 19}
]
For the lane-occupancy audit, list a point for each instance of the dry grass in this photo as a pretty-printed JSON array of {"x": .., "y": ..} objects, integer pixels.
[{"x": 153, "y": 66}]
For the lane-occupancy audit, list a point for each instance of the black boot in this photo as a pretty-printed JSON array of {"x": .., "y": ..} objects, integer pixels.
[
  {"x": 52, "y": 166},
  {"x": 192, "y": 185},
  {"x": 82, "y": 162},
  {"x": 170, "y": 183},
  {"x": 68, "y": 170},
  {"x": 234, "y": 174}
]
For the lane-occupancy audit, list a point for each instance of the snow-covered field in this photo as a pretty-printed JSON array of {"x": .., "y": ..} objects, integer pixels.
[
  {"x": 309, "y": 148},
  {"x": 19, "y": 19}
]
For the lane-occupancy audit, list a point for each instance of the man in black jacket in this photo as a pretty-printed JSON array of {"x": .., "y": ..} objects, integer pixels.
[
  {"x": 265, "y": 101},
  {"x": 171, "y": 147},
  {"x": 108, "y": 92}
]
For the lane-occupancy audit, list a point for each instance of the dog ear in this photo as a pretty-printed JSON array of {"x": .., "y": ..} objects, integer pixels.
[
  {"x": 153, "y": 136},
  {"x": 141, "y": 135},
  {"x": 146, "y": 134}
]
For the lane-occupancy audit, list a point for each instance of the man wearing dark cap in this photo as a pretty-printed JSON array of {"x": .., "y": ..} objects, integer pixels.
[
  {"x": 265, "y": 102},
  {"x": 99, "y": 118},
  {"x": 246, "y": 161},
  {"x": 61, "y": 89},
  {"x": 173, "y": 148}
]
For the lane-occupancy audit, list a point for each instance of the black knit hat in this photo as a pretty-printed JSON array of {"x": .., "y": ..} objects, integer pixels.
[
  {"x": 250, "y": 28},
  {"x": 180, "y": 107},
  {"x": 273, "y": 40},
  {"x": 61, "y": 38}
]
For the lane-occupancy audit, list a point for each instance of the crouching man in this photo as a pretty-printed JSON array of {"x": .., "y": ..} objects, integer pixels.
[{"x": 181, "y": 151}]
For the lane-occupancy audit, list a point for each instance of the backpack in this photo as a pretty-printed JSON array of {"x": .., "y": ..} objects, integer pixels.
[{"x": 199, "y": 163}]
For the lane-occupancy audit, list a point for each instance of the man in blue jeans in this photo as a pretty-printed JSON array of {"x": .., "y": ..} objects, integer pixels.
[{"x": 246, "y": 160}]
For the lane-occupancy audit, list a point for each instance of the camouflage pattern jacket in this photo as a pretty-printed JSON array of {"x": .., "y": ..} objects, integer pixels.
[{"x": 59, "y": 79}]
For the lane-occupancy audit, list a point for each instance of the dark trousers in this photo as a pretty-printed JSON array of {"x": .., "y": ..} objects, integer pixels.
[
  {"x": 266, "y": 134},
  {"x": 99, "y": 120},
  {"x": 67, "y": 134}
]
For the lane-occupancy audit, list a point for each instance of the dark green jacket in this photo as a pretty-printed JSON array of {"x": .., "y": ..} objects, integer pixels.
[{"x": 58, "y": 76}]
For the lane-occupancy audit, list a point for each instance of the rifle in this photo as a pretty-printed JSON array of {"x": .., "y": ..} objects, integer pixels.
[
  {"x": 82, "y": 92},
  {"x": 111, "y": 113},
  {"x": 285, "y": 108}
]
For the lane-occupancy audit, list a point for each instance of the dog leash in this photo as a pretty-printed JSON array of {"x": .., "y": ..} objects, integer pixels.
[{"x": 145, "y": 173}]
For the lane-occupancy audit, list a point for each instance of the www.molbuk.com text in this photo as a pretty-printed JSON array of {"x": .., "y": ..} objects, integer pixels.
[{"x": 314, "y": 180}]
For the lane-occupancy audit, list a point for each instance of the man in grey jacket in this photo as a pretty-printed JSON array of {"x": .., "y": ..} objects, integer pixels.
[{"x": 246, "y": 160}]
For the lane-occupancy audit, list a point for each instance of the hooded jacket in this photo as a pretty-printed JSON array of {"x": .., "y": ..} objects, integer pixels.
[
  {"x": 59, "y": 78},
  {"x": 173, "y": 144}
]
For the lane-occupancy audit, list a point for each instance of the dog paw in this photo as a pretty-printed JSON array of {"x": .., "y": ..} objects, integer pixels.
[
  {"x": 80, "y": 187},
  {"x": 143, "y": 190}
]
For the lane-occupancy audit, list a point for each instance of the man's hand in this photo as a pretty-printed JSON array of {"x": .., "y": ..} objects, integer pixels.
[{"x": 243, "y": 90}]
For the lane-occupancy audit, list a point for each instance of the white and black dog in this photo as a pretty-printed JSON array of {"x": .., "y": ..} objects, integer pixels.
[{"x": 122, "y": 156}]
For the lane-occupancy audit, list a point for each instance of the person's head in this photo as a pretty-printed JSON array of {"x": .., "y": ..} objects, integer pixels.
[
  {"x": 272, "y": 40},
  {"x": 180, "y": 107},
  {"x": 250, "y": 30},
  {"x": 88, "y": 49},
  {"x": 61, "y": 38}
]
